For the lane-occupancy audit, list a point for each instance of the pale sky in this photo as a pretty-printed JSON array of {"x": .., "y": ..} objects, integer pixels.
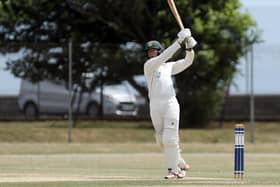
[
  {"x": 9, "y": 85},
  {"x": 266, "y": 55},
  {"x": 261, "y": 3}
]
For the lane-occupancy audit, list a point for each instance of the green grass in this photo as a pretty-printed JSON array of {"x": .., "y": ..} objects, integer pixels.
[
  {"x": 124, "y": 154},
  {"x": 123, "y": 132}
]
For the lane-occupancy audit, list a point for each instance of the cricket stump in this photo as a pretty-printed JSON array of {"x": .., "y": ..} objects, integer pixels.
[{"x": 239, "y": 134}]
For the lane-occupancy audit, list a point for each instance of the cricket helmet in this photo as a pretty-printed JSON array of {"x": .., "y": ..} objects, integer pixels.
[{"x": 154, "y": 45}]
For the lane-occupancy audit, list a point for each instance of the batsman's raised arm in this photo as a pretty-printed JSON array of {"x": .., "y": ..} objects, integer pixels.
[
  {"x": 155, "y": 62},
  {"x": 181, "y": 65}
]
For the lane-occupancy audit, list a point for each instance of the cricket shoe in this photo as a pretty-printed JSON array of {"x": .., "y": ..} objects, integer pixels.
[
  {"x": 184, "y": 167},
  {"x": 182, "y": 173},
  {"x": 173, "y": 175}
]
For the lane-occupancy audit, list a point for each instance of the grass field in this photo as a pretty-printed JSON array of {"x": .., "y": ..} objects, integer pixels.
[
  {"x": 37, "y": 155},
  {"x": 122, "y": 132}
]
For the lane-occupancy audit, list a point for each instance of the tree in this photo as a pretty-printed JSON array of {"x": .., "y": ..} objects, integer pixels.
[
  {"x": 109, "y": 35},
  {"x": 222, "y": 32}
]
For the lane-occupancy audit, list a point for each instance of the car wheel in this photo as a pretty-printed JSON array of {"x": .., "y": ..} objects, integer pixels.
[
  {"x": 31, "y": 111},
  {"x": 93, "y": 110}
]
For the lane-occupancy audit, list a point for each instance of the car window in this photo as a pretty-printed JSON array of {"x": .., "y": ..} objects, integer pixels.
[
  {"x": 131, "y": 89},
  {"x": 118, "y": 88}
]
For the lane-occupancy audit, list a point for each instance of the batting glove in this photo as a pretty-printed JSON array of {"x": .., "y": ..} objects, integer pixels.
[
  {"x": 183, "y": 35},
  {"x": 190, "y": 43}
]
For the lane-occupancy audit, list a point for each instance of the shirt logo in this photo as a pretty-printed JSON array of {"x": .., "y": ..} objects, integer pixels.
[{"x": 157, "y": 74}]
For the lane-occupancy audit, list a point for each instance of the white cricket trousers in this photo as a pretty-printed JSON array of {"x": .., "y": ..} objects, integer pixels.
[{"x": 165, "y": 114}]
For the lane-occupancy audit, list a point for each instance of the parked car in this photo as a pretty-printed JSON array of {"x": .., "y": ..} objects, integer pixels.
[{"x": 52, "y": 97}]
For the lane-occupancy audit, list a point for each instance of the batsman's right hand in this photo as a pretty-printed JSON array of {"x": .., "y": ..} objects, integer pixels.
[
  {"x": 183, "y": 35},
  {"x": 190, "y": 43}
]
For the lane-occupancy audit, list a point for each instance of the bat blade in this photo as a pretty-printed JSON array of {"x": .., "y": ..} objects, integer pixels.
[{"x": 175, "y": 13}]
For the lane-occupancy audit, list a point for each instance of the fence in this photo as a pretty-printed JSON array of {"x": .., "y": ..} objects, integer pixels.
[
  {"x": 267, "y": 107},
  {"x": 9, "y": 109}
]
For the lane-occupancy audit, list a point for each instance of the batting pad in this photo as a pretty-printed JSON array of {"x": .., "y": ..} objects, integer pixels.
[{"x": 170, "y": 135}]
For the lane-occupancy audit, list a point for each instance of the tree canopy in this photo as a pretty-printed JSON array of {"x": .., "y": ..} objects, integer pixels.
[{"x": 109, "y": 36}]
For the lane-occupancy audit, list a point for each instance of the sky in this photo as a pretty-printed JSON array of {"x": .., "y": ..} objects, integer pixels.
[
  {"x": 266, "y": 55},
  {"x": 9, "y": 85}
]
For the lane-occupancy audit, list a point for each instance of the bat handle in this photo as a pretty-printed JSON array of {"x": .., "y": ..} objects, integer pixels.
[{"x": 181, "y": 26}]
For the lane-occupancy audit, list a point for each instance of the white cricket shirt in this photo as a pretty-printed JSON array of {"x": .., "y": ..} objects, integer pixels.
[{"x": 158, "y": 73}]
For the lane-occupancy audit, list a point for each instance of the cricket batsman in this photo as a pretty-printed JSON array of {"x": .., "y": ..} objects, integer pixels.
[{"x": 164, "y": 107}]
